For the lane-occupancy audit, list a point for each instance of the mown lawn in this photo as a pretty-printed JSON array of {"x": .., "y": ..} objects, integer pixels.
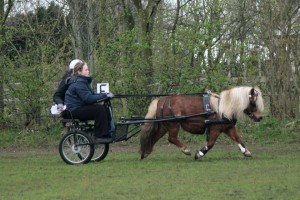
[{"x": 272, "y": 173}]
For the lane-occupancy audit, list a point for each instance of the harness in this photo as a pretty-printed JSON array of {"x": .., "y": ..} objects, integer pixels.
[
  {"x": 207, "y": 111},
  {"x": 167, "y": 102},
  {"x": 169, "y": 106},
  {"x": 206, "y": 104}
]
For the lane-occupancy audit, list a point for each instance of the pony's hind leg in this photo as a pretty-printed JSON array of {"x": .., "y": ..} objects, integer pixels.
[
  {"x": 151, "y": 133},
  {"x": 232, "y": 133},
  {"x": 173, "y": 138}
]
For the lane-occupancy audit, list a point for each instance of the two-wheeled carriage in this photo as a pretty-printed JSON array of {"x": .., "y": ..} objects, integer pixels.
[{"x": 77, "y": 145}]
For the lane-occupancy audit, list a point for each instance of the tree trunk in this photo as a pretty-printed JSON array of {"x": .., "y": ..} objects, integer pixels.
[
  {"x": 91, "y": 36},
  {"x": 145, "y": 21},
  {"x": 76, "y": 19}
]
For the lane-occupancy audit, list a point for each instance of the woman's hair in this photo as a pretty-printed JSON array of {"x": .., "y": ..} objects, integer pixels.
[{"x": 78, "y": 67}]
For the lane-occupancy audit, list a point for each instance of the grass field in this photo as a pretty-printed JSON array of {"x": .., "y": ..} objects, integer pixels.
[{"x": 39, "y": 173}]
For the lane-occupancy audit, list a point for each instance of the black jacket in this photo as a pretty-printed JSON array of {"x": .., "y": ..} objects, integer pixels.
[{"x": 59, "y": 95}]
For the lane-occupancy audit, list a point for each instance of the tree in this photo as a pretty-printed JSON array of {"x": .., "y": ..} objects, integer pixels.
[
  {"x": 4, "y": 12},
  {"x": 126, "y": 32},
  {"x": 279, "y": 35},
  {"x": 83, "y": 18},
  {"x": 150, "y": 46},
  {"x": 36, "y": 44}
]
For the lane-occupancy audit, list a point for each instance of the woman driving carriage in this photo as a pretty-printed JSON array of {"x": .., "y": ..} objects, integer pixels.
[{"x": 82, "y": 104}]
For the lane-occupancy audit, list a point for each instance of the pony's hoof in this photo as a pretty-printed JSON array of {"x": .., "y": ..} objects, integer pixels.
[
  {"x": 247, "y": 153},
  {"x": 198, "y": 155},
  {"x": 187, "y": 152}
]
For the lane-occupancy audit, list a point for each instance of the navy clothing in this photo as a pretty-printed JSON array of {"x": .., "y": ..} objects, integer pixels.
[
  {"x": 81, "y": 104},
  {"x": 80, "y": 93},
  {"x": 95, "y": 112},
  {"x": 59, "y": 95}
]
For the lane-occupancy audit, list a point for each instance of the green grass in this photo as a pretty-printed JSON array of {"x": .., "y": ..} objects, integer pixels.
[
  {"x": 31, "y": 168},
  {"x": 272, "y": 173}
]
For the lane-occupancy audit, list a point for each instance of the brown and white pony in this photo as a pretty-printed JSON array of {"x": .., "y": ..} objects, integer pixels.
[{"x": 226, "y": 109}]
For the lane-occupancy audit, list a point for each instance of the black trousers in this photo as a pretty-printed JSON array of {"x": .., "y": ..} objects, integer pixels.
[{"x": 95, "y": 112}]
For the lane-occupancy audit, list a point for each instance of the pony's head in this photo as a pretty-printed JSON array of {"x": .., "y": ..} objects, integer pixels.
[
  {"x": 253, "y": 110},
  {"x": 241, "y": 101}
]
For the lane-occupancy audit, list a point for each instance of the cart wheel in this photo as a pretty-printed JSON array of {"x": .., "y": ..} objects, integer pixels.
[
  {"x": 100, "y": 151},
  {"x": 76, "y": 148}
]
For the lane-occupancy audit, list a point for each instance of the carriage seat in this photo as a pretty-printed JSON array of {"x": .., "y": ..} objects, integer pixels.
[{"x": 76, "y": 122}]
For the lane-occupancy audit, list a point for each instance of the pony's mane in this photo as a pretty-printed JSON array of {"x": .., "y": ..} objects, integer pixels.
[
  {"x": 235, "y": 100},
  {"x": 214, "y": 101}
]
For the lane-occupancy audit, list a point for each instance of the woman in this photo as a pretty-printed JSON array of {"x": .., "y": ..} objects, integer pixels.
[
  {"x": 59, "y": 95},
  {"x": 81, "y": 102}
]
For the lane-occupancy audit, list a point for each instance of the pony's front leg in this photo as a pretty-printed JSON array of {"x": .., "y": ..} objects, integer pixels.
[
  {"x": 232, "y": 133},
  {"x": 213, "y": 136}
]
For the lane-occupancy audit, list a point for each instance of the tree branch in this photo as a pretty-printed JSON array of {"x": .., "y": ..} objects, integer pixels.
[{"x": 7, "y": 11}]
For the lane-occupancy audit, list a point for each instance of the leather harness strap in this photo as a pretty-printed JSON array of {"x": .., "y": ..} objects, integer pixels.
[
  {"x": 162, "y": 108},
  {"x": 169, "y": 106},
  {"x": 206, "y": 104}
]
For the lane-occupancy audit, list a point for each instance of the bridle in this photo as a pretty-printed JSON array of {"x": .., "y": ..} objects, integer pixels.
[{"x": 251, "y": 109}]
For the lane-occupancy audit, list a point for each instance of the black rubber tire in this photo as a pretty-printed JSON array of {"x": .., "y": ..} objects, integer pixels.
[
  {"x": 76, "y": 148},
  {"x": 100, "y": 152}
]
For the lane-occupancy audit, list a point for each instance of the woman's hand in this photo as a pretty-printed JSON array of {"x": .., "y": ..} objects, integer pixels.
[{"x": 110, "y": 95}]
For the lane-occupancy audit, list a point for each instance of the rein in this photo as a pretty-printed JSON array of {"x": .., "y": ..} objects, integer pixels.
[
  {"x": 156, "y": 95},
  {"x": 212, "y": 94}
]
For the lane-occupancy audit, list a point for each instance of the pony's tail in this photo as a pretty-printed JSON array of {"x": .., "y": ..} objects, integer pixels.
[{"x": 148, "y": 131}]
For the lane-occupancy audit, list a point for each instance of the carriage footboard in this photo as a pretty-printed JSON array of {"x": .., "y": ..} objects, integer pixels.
[{"x": 125, "y": 131}]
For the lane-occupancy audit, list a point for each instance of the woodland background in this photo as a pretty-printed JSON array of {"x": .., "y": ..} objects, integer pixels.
[{"x": 147, "y": 46}]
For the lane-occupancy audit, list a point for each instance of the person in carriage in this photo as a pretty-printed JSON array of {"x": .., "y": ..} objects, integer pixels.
[
  {"x": 59, "y": 94},
  {"x": 81, "y": 103}
]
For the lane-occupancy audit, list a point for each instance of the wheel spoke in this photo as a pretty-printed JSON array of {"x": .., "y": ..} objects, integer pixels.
[
  {"x": 80, "y": 156},
  {"x": 76, "y": 148}
]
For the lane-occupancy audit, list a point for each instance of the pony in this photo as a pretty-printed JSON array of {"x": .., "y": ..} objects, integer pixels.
[{"x": 207, "y": 113}]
